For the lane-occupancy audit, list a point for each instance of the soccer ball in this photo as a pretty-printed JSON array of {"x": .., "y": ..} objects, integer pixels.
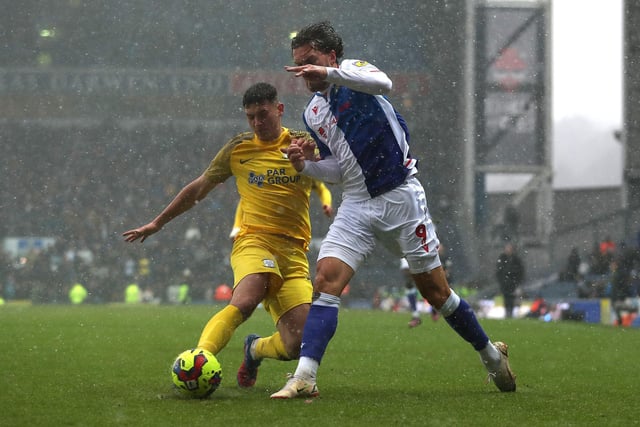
[{"x": 196, "y": 373}]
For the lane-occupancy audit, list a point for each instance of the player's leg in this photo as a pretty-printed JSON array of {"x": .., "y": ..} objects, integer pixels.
[
  {"x": 349, "y": 240},
  {"x": 247, "y": 294},
  {"x": 289, "y": 306},
  {"x": 252, "y": 276},
  {"x": 287, "y": 301},
  {"x": 322, "y": 321},
  {"x": 434, "y": 287},
  {"x": 461, "y": 317},
  {"x": 331, "y": 278},
  {"x": 282, "y": 345},
  {"x": 419, "y": 243},
  {"x": 342, "y": 251},
  {"x": 289, "y": 309},
  {"x": 290, "y": 329}
]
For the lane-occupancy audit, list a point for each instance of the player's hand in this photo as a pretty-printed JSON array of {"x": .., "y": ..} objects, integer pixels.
[
  {"x": 295, "y": 156},
  {"x": 328, "y": 210},
  {"x": 308, "y": 71},
  {"x": 309, "y": 149},
  {"x": 140, "y": 233}
]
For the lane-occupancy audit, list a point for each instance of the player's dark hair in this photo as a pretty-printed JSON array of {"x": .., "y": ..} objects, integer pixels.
[
  {"x": 321, "y": 36},
  {"x": 259, "y": 93}
]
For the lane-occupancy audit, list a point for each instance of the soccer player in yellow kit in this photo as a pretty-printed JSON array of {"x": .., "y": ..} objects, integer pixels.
[
  {"x": 268, "y": 257},
  {"x": 247, "y": 373}
]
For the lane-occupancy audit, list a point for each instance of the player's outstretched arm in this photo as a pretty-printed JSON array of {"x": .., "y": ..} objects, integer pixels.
[{"x": 187, "y": 198}]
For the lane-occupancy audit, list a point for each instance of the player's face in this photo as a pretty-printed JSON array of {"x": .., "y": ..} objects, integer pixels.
[
  {"x": 265, "y": 119},
  {"x": 307, "y": 55}
]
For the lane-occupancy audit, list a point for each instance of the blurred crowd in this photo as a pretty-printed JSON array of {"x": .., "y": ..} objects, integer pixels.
[
  {"x": 84, "y": 186},
  {"x": 607, "y": 270}
]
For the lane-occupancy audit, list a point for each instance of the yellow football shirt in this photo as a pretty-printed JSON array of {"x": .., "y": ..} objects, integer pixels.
[
  {"x": 324, "y": 194},
  {"x": 274, "y": 197}
]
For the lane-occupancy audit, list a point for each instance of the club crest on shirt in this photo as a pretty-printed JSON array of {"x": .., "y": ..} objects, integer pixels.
[
  {"x": 269, "y": 263},
  {"x": 360, "y": 63}
]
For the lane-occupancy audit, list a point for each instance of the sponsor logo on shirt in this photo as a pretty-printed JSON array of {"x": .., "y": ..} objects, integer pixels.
[
  {"x": 256, "y": 179},
  {"x": 273, "y": 176}
]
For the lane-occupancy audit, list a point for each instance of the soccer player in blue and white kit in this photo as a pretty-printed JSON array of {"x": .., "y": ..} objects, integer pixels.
[{"x": 363, "y": 144}]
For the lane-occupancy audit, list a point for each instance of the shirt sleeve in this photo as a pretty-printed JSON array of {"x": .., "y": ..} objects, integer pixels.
[
  {"x": 326, "y": 170},
  {"x": 220, "y": 167},
  {"x": 360, "y": 76}
]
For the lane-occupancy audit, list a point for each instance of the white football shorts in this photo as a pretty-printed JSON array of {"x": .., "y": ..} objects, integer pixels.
[{"x": 399, "y": 219}]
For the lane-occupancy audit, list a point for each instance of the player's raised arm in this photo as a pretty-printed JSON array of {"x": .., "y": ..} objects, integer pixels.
[
  {"x": 360, "y": 76},
  {"x": 354, "y": 74},
  {"x": 187, "y": 198}
]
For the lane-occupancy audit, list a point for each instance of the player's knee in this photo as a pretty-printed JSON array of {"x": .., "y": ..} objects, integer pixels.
[
  {"x": 332, "y": 276},
  {"x": 433, "y": 287},
  {"x": 328, "y": 285}
]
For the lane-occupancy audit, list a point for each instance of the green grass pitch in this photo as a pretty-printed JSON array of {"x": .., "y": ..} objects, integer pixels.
[{"x": 110, "y": 365}]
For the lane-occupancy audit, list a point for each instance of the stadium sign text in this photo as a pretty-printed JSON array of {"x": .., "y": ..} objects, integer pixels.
[{"x": 100, "y": 82}]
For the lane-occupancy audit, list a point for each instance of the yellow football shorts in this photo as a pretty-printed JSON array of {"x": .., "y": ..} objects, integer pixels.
[{"x": 285, "y": 259}]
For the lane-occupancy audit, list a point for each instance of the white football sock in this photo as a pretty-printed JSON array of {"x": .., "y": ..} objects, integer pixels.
[
  {"x": 490, "y": 356},
  {"x": 307, "y": 368}
]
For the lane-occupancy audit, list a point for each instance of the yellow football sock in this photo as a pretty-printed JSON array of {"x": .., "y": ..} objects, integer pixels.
[
  {"x": 219, "y": 329},
  {"x": 271, "y": 348}
]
